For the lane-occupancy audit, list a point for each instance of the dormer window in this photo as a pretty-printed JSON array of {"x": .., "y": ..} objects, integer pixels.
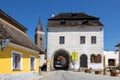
[
  {"x": 85, "y": 22},
  {"x": 74, "y": 14},
  {"x": 62, "y": 23}
]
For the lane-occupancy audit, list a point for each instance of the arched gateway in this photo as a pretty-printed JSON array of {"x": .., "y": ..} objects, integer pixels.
[{"x": 61, "y": 60}]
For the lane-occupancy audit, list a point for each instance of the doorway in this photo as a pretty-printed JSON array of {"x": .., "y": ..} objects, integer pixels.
[{"x": 83, "y": 61}]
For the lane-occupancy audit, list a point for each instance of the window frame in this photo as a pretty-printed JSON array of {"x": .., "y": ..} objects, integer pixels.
[
  {"x": 13, "y": 53},
  {"x": 93, "y": 58},
  {"x": 98, "y": 58},
  {"x": 41, "y": 38},
  {"x": 111, "y": 63},
  {"x": 61, "y": 39},
  {"x": 93, "y": 39},
  {"x": 62, "y": 22},
  {"x": 82, "y": 39},
  {"x": 34, "y": 64}
]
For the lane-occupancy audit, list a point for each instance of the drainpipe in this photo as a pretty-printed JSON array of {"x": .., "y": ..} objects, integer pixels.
[
  {"x": 118, "y": 58},
  {"x": 48, "y": 54}
]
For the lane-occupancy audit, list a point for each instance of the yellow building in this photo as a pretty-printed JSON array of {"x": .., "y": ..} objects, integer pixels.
[{"x": 19, "y": 56}]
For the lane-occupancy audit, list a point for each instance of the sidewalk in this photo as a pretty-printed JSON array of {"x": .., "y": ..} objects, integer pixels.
[
  {"x": 52, "y": 74},
  {"x": 70, "y": 75},
  {"x": 44, "y": 75}
]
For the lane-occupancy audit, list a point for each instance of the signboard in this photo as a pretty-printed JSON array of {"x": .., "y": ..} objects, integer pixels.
[
  {"x": 48, "y": 61},
  {"x": 74, "y": 56}
]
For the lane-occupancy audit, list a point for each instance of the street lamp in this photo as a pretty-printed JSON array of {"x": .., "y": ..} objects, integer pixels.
[{"x": 4, "y": 43}]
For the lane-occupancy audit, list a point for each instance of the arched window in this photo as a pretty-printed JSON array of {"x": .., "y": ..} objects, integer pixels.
[
  {"x": 98, "y": 58},
  {"x": 93, "y": 57}
]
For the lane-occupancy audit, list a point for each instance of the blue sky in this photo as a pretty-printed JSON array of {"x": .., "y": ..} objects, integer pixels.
[{"x": 27, "y": 13}]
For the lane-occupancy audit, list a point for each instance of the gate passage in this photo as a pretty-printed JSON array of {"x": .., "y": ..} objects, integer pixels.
[{"x": 61, "y": 60}]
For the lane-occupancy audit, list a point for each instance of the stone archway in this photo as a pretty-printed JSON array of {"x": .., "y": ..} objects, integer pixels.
[
  {"x": 83, "y": 61},
  {"x": 61, "y": 60}
]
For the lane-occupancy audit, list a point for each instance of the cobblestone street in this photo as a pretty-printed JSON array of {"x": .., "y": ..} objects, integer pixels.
[{"x": 69, "y": 75}]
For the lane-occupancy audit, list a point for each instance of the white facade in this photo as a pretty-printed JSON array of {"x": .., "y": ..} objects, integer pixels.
[
  {"x": 118, "y": 45},
  {"x": 72, "y": 43},
  {"x": 119, "y": 57},
  {"x": 41, "y": 59},
  {"x": 111, "y": 55}
]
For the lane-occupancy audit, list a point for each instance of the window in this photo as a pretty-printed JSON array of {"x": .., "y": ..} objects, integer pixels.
[
  {"x": 61, "y": 40},
  {"x": 98, "y": 58},
  {"x": 111, "y": 62},
  {"x": 85, "y": 22},
  {"x": 82, "y": 40},
  {"x": 93, "y": 58},
  {"x": 32, "y": 63},
  {"x": 74, "y": 14},
  {"x": 16, "y": 61},
  {"x": 93, "y": 39},
  {"x": 62, "y": 23},
  {"x": 41, "y": 39}
]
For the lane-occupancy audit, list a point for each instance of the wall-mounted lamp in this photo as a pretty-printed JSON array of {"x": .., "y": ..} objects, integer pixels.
[{"x": 4, "y": 43}]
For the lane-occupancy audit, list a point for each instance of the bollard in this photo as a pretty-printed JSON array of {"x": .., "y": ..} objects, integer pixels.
[
  {"x": 104, "y": 72},
  {"x": 39, "y": 70}
]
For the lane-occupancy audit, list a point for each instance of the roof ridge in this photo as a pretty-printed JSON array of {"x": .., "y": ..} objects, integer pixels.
[
  {"x": 13, "y": 20},
  {"x": 73, "y": 16}
]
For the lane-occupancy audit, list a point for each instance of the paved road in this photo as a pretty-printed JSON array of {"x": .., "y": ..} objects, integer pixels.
[{"x": 69, "y": 75}]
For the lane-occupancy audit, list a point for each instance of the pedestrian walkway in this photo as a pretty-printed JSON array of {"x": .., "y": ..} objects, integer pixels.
[
  {"x": 45, "y": 75},
  {"x": 69, "y": 75}
]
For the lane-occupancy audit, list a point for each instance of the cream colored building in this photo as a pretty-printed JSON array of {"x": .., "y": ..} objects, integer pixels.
[
  {"x": 118, "y": 45},
  {"x": 111, "y": 58}
]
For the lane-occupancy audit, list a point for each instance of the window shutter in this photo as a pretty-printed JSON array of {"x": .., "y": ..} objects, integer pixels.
[
  {"x": 93, "y": 58},
  {"x": 98, "y": 58},
  {"x": 13, "y": 61}
]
